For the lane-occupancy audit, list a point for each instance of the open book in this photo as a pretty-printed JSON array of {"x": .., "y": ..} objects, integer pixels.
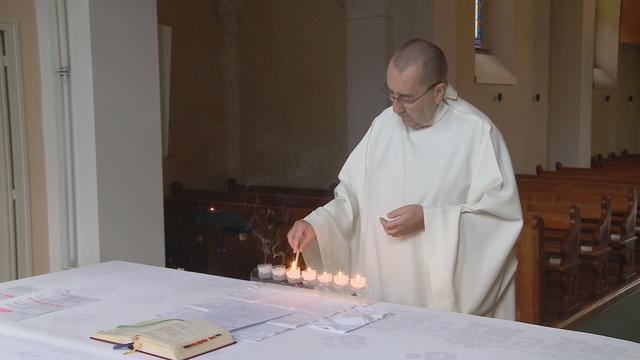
[{"x": 170, "y": 339}]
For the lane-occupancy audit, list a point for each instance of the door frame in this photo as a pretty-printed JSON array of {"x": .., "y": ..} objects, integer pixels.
[{"x": 19, "y": 147}]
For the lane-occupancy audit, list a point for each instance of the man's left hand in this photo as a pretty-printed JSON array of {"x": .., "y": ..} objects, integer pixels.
[{"x": 404, "y": 221}]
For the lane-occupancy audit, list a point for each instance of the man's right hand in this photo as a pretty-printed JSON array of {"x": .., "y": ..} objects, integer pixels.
[{"x": 300, "y": 235}]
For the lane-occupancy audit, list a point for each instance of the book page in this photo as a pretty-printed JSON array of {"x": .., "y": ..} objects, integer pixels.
[
  {"x": 177, "y": 334},
  {"x": 124, "y": 333}
]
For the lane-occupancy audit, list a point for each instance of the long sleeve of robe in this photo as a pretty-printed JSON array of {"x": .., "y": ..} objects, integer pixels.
[{"x": 458, "y": 169}]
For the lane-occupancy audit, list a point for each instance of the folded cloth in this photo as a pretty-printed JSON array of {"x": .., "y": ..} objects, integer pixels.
[{"x": 349, "y": 320}]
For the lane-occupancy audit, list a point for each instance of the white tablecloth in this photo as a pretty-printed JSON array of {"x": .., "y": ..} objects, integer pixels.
[{"x": 129, "y": 292}]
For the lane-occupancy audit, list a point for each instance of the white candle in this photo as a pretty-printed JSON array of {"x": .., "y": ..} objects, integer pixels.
[
  {"x": 278, "y": 272},
  {"x": 340, "y": 279},
  {"x": 293, "y": 274},
  {"x": 358, "y": 283},
  {"x": 325, "y": 278},
  {"x": 309, "y": 275},
  {"x": 264, "y": 271}
]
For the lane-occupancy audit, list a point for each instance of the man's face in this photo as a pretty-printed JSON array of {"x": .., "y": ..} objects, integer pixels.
[{"x": 405, "y": 87}]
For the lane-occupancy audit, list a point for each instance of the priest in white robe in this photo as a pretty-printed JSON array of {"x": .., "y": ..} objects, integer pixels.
[{"x": 427, "y": 206}]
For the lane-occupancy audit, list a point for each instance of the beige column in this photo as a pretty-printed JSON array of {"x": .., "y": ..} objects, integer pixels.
[
  {"x": 571, "y": 79},
  {"x": 367, "y": 53}
]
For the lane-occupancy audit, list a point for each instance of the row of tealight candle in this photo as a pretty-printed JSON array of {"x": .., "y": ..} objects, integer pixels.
[{"x": 310, "y": 277}]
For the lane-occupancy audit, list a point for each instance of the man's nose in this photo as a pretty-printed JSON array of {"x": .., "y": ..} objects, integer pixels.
[{"x": 397, "y": 107}]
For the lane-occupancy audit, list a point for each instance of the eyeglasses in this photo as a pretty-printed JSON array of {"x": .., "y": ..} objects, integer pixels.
[{"x": 404, "y": 100}]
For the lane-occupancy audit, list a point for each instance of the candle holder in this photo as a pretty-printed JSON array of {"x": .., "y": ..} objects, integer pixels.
[
  {"x": 357, "y": 285},
  {"x": 309, "y": 283},
  {"x": 293, "y": 275},
  {"x": 324, "y": 281},
  {"x": 264, "y": 271},
  {"x": 340, "y": 281},
  {"x": 309, "y": 277},
  {"x": 278, "y": 272}
]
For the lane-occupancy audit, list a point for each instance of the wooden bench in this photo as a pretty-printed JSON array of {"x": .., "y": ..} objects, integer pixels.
[
  {"x": 624, "y": 211},
  {"x": 595, "y": 236},
  {"x": 538, "y": 253},
  {"x": 228, "y": 233},
  {"x": 234, "y": 186}
]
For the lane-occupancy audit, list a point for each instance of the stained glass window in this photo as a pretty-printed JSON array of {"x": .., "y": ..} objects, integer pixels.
[{"x": 478, "y": 40}]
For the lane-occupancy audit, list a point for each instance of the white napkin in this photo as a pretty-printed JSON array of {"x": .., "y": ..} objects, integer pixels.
[{"x": 349, "y": 320}]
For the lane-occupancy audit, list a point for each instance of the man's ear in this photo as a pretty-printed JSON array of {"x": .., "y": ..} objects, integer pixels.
[{"x": 439, "y": 92}]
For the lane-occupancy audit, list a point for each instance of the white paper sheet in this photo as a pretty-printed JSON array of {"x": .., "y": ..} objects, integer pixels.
[
  {"x": 228, "y": 313},
  {"x": 295, "y": 320},
  {"x": 251, "y": 295},
  {"x": 39, "y": 303},
  {"x": 349, "y": 320},
  {"x": 17, "y": 291},
  {"x": 296, "y": 301},
  {"x": 258, "y": 332}
]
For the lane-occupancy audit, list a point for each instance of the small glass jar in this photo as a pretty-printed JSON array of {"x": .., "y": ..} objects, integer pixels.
[
  {"x": 278, "y": 272},
  {"x": 264, "y": 271}
]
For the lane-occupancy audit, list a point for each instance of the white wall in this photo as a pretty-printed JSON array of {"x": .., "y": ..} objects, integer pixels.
[
  {"x": 522, "y": 44},
  {"x": 607, "y": 28},
  {"x": 45, "y": 11},
  {"x": 615, "y": 122},
  {"x": 628, "y": 101},
  {"x": 367, "y": 54},
  {"x": 431, "y": 20},
  {"x": 571, "y": 68},
  {"x": 84, "y": 137},
  {"x": 116, "y": 132},
  {"x": 411, "y": 19},
  {"x": 124, "y": 46}
]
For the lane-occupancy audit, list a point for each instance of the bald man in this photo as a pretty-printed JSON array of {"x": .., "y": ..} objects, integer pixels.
[{"x": 427, "y": 206}]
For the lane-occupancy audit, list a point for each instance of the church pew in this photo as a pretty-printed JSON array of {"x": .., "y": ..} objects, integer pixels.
[
  {"x": 617, "y": 192},
  {"x": 624, "y": 233},
  {"x": 613, "y": 159},
  {"x": 591, "y": 176},
  {"x": 622, "y": 205},
  {"x": 530, "y": 273},
  {"x": 538, "y": 254},
  {"x": 612, "y": 162},
  {"x": 226, "y": 238},
  {"x": 293, "y": 201},
  {"x": 594, "y": 243},
  {"x": 615, "y": 171},
  {"x": 621, "y": 197},
  {"x": 624, "y": 218},
  {"x": 618, "y": 165},
  {"x": 234, "y": 186},
  {"x": 624, "y": 155},
  {"x": 573, "y": 184}
]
